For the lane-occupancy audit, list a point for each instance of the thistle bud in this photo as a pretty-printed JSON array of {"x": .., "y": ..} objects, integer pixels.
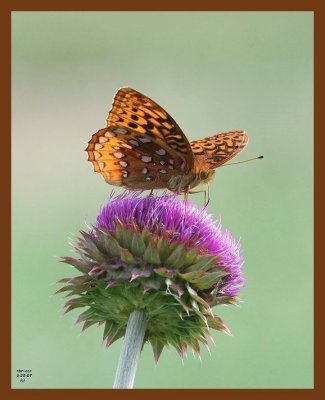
[{"x": 159, "y": 255}]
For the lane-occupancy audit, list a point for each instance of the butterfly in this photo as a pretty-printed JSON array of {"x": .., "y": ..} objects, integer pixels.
[{"x": 143, "y": 148}]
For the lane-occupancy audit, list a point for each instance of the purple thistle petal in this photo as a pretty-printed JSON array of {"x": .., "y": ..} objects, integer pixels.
[{"x": 170, "y": 216}]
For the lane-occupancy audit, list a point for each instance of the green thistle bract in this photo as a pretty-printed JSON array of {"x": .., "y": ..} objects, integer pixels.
[{"x": 159, "y": 255}]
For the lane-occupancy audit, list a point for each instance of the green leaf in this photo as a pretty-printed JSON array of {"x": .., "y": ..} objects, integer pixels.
[
  {"x": 146, "y": 236},
  {"x": 176, "y": 342},
  {"x": 89, "y": 240},
  {"x": 157, "y": 346},
  {"x": 207, "y": 281},
  {"x": 140, "y": 273},
  {"x": 220, "y": 299},
  {"x": 215, "y": 322},
  {"x": 107, "y": 328},
  {"x": 80, "y": 265},
  {"x": 99, "y": 240},
  {"x": 199, "y": 299},
  {"x": 165, "y": 272},
  {"x": 123, "y": 236},
  {"x": 176, "y": 288},
  {"x": 76, "y": 288},
  {"x": 203, "y": 264},
  {"x": 191, "y": 257},
  {"x": 72, "y": 306},
  {"x": 88, "y": 314},
  {"x": 196, "y": 347},
  {"x": 93, "y": 254},
  {"x": 87, "y": 324},
  {"x": 116, "y": 332},
  {"x": 138, "y": 245},
  {"x": 80, "y": 280},
  {"x": 111, "y": 245},
  {"x": 120, "y": 275},
  {"x": 127, "y": 257},
  {"x": 65, "y": 289},
  {"x": 176, "y": 258},
  {"x": 164, "y": 248},
  {"x": 89, "y": 244},
  {"x": 149, "y": 283},
  {"x": 197, "y": 311},
  {"x": 178, "y": 298},
  {"x": 192, "y": 276},
  {"x": 151, "y": 254}
]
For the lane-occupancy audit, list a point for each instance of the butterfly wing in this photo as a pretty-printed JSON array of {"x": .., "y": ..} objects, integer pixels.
[
  {"x": 216, "y": 150},
  {"x": 142, "y": 146},
  {"x": 132, "y": 109}
]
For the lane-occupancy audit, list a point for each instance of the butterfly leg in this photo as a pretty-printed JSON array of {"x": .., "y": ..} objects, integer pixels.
[
  {"x": 186, "y": 193},
  {"x": 151, "y": 192},
  {"x": 206, "y": 195}
]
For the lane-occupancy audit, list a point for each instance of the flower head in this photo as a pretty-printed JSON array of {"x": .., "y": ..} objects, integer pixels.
[{"x": 159, "y": 255}]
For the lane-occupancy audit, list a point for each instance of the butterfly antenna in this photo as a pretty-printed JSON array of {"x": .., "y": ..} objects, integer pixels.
[{"x": 240, "y": 162}]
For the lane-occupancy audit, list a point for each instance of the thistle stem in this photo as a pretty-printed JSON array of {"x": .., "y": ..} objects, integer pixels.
[{"x": 130, "y": 352}]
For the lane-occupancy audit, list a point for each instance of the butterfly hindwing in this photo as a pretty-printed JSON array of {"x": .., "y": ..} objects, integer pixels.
[
  {"x": 216, "y": 150},
  {"x": 126, "y": 158}
]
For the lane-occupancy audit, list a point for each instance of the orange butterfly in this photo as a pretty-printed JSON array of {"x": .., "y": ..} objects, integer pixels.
[{"x": 143, "y": 148}]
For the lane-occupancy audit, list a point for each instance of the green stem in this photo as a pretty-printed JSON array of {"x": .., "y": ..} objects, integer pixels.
[{"x": 131, "y": 349}]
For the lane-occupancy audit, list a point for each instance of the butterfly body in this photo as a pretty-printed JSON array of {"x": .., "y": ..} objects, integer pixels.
[
  {"x": 183, "y": 183},
  {"x": 142, "y": 148}
]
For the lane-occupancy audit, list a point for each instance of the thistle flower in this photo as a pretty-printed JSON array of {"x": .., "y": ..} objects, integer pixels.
[{"x": 161, "y": 256}]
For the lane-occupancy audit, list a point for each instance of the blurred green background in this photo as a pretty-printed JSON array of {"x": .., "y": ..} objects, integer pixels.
[{"x": 212, "y": 71}]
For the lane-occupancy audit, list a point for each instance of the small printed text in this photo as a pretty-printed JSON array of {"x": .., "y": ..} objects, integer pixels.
[{"x": 23, "y": 374}]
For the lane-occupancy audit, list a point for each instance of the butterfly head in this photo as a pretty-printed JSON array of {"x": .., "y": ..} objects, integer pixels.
[
  {"x": 183, "y": 182},
  {"x": 205, "y": 176}
]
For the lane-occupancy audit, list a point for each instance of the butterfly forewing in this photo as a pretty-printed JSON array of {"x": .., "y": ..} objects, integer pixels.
[
  {"x": 133, "y": 110},
  {"x": 142, "y": 146}
]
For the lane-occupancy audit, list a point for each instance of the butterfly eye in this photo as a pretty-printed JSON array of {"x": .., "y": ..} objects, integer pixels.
[{"x": 203, "y": 175}]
